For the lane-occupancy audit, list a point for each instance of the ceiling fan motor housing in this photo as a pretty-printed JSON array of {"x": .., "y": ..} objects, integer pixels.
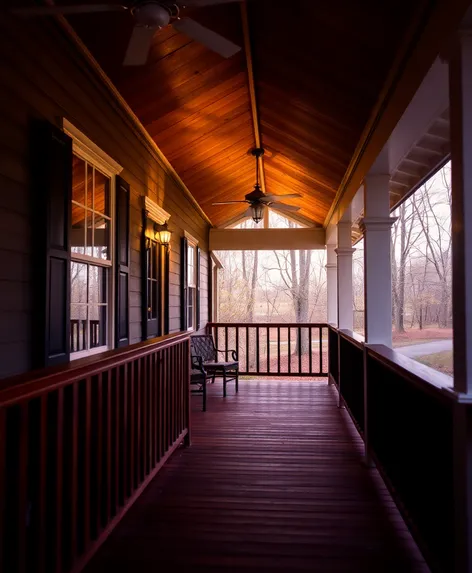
[{"x": 151, "y": 14}]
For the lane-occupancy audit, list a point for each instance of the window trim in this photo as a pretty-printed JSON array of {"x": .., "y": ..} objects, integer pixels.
[
  {"x": 88, "y": 151},
  {"x": 192, "y": 243}
]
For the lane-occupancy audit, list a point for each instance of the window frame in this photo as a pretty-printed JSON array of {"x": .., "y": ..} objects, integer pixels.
[
  {"x": 86, "y": 150},
  {"x": 192, "y": 245}
]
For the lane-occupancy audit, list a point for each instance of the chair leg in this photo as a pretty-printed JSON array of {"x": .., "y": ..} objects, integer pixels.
[
  {"x": 204, "y": 394},
  {"x": 237, "y": 381},
  {"x": 213, "y": 379},
  {"x": 224, "y": 383}
]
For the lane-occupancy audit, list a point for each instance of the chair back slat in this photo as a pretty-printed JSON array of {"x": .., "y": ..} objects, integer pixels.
[{"x": 203, "y": 345}]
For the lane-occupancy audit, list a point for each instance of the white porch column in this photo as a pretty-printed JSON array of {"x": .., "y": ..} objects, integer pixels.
[
  {"x": 460, "y": 90},
  {"x": 344, "y": 253},
  {"x": 332, "y": 283},
  {"x": 376, "y": 227},
  {"x": 460, "y": 82}
]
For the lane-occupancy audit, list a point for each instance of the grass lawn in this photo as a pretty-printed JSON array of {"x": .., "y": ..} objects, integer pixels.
[{"x": 441, "y": 361}]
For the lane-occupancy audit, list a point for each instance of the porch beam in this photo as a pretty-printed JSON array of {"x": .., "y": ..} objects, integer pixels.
[
  {"x": 430, "y": 27},
  {"x": 266, "y": 239}
]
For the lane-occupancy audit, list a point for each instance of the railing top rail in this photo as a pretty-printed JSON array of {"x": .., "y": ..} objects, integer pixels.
[
  {"x": 37, "y": 382},
  {"x": 269, "y": 324},
  {"x": 419, "y": 374},
  {"x": 354, "y": 337}
]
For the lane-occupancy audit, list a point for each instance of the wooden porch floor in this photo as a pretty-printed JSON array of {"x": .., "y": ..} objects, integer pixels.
[{"x": 273, "y": 482}]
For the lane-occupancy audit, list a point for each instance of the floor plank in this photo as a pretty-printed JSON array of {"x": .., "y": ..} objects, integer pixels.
[{"x": 273, "y": 482}]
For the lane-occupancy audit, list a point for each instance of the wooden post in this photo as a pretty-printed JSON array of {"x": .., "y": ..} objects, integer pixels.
[
  {"x": 344, "y": 253},
  {"x": 460, "y": 89}
]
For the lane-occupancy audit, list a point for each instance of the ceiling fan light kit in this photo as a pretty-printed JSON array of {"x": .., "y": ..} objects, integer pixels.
[{"x": 258, "y": 200}]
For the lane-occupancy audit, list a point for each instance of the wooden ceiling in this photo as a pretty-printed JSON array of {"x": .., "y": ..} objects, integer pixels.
[{"x": 318, "y": 68}]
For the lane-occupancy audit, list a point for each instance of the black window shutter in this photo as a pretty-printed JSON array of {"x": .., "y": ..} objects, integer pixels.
[
  {"x": 51, "y": 155},
  {"x": 197, "y": 304},
  {"x": 166, "y": 289},
  {"x": 122, "y": 263},
  {"x": 183, "y": 284}
]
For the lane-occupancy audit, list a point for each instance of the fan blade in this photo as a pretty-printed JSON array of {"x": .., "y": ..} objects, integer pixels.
[
  {"x": 207, "y": 37},
  {"x": 139, "y": 46},
  {"x": 228, "y": 202},
  {"x": 29, "y": 11},
  {"x": 287, "y": 196},
  {"x": 284, "y": 207},
  {"x": 200, "y": 3}
]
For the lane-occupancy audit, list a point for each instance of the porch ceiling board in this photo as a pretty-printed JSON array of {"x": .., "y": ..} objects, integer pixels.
[{"x": 318, "y": 68}]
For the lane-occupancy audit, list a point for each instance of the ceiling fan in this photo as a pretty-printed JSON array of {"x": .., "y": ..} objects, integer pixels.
[
  {"x": 258, "y": 200},
  {"x": 149, "y": 17}
]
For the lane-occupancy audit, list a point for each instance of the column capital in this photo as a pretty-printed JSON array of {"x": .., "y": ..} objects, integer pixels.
[
  {"x": 331, "y": 266},
  {"x": 376, "y": 223},
  {"x": 344, "y": 251}
]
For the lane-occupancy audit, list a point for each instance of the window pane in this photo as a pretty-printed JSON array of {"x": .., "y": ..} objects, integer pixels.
[
  {"x": 78, "y": 180},
  {"x": 102, "y": 193},
  {"x": 97, "y": 284},
  {"x": 78, "y": 326},
  {"x": 101, "y": 237},
  {"x": 89, "y": 187},
  {"x": 191, "y": 299},
  {"x": 97, "y": 325},
  {"x": 78, "y": 280},
  {"x": 77, "y": 236},
  {"x": 89, "y": 234}
]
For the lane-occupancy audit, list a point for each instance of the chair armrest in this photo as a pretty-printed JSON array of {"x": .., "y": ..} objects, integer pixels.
[{"x": 234, "y": 353}]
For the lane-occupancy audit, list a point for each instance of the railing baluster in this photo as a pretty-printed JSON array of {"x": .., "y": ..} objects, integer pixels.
[
  {"x": 247, "y": 349},
  {"x": 237, "y": 340},
  {"x": 41, "y": 496},
  {"x": 300, "y": 344},
  {"x": 3, "y": 467},
  {"x": 278, "y": 350},
  {"x": 258, "y": 351},
  {"x": 268, "y": 350},
  {"x": 226, "y": 343},
  {"x": 108, "y": 442},
  {"x": 132, "y": 426},
  {"x": 59, "y": 447},
  {"x": 310, "y": 348},
  {"x": 289, "y": 350},
  {"x": 99, "y": 451},
  {"x": 87, "y": 465},
  {"x": 124, "y": 436},
  {"x": 321, "y": 350},
  {"x": 72, "y": 469},
  {"x": 22, "y": 488}
]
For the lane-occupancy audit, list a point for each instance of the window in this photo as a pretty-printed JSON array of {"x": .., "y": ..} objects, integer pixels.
[
  {"x": 192, "y": 287},
  {"x": 153, "y": 276},
  {"x": 91, "y": 252},
  {"x": 191, "y": 283}
]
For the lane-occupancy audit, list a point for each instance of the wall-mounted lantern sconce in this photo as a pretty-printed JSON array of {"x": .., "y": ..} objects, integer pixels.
[{"x": 163, "y": 235}]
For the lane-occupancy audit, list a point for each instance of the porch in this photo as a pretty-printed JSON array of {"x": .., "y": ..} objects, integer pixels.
[{"x": 259, "y": 492}]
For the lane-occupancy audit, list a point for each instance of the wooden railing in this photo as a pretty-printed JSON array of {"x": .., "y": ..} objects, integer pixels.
[
  {"x": 78, "y": 334},
  {"x": 79, "y": 444},
  {"x": 275, "y": 349},
  {"x": 404, "y": 411}
]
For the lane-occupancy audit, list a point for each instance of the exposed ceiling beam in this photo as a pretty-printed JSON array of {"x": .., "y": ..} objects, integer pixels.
[
  {"x": 252, "y": 88},
  {"x": 266, "y": 239}
]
